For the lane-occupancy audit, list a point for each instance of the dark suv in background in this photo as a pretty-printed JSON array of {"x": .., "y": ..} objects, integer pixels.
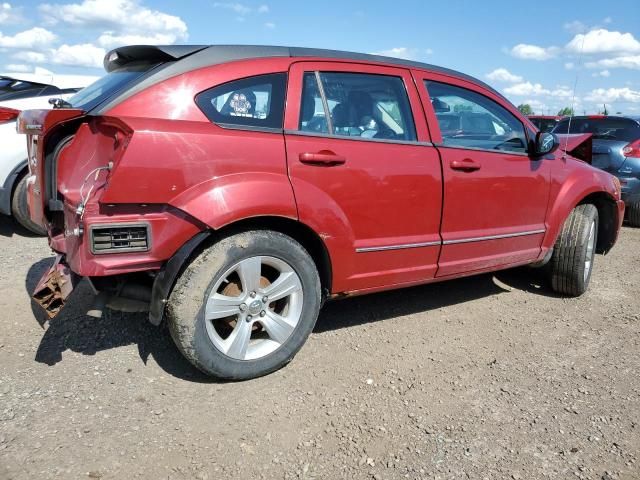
[{"x": 616, "y": 149}]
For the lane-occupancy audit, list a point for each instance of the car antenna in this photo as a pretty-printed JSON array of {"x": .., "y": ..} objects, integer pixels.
[{"x": 573, "y": 94}]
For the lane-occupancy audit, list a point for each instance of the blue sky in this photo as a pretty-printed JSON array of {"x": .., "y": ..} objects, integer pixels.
[{"x": 530, "y": 51}]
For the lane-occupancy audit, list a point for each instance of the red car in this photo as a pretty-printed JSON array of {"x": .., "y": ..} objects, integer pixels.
[
  {"x": 232, "y": 190},
  {"x": 545, "y": 123}
]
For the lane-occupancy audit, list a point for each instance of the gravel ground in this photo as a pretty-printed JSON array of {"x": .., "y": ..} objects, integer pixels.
[{"x": 487, "y": 377}]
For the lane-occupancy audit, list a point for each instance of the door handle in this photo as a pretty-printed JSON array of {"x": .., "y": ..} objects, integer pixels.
[
  {"x": 324, "y": 158},
  {"x": 465, "y": 165}
]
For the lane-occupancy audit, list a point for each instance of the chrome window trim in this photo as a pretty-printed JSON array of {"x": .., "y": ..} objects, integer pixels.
[
  {"x": 475, "y": 149},
  {"x": 397, "y": 247},
  {"x": 301, "y": 133},
  {"x": 493, "y": 237}
]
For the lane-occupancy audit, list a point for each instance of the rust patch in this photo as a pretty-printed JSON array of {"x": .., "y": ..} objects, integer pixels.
[{"x": 54, "y": 287}]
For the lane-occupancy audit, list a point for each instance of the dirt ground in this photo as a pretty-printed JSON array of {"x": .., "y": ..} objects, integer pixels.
[{"x": 487, "y": 377}]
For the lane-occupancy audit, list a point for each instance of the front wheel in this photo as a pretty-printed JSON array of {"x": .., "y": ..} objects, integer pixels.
[
  {"x": 573, "y": 254},
  {"x": 245, "y": 306}
]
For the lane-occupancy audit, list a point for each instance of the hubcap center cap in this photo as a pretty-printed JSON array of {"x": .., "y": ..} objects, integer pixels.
[{"x": 255, "y": 307}]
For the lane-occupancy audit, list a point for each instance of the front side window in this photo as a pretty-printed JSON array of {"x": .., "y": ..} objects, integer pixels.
[
  {"x": 470, "y": 120},
  {"x": 250, "y": 102},
  {"x": 359, "y": 105}
]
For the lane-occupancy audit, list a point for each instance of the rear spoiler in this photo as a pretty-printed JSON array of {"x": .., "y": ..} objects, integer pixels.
[
  {"x": 578, "y": 145},
  {"x": 122, "y": 56}
]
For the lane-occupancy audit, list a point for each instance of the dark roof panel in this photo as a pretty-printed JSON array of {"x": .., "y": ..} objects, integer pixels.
[{"x": 185, "y": 58}]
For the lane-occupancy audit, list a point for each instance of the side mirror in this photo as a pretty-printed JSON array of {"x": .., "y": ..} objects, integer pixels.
[{"x": 545, "y": 143}]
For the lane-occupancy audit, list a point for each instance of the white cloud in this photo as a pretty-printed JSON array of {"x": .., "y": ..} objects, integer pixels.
[
  {"x": 569, "y": 65},
  {"x": 29, "y": 56},
  {"x": 611, "y": 95},
  {"x": 526, "y": 89},
  {"x": 112, "y": 40},
  {"x": 603, "y": 41},
  {"x": 576, "y": 26},
  {"x": 533, "y": 52},
  {"x": 119, "y": 19},
  {"x": 603, "y": 73},
  {"x": 35, "y": 38},
  {"x": 270, "y": 25},
  {"x": 8, "y": 14},
  {"x": 241, "y": 9},
  {"x": 18, "y": 67},
  {"x": 398, "y": 52},
  {"x": 628, "y": 61},
  {"x": 503, "y": 75},
  {"x": 83, "y": 55}
]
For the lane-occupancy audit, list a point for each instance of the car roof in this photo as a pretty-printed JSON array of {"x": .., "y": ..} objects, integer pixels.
[
  {"x": 185, "y": 58},
  {"x": 603, "y": 117}
]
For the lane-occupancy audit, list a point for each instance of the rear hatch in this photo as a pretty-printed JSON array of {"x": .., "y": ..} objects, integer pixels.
[
  {"x": 609, "y": 135},
  {"x": 45, "y": 129}
]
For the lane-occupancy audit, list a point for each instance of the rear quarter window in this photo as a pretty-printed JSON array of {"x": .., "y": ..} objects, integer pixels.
[{"x": 254, "y": 102}]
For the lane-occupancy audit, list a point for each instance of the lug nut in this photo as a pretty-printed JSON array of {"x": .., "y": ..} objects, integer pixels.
[
  {"x": 263, "y": 313},
  {"x": 252, "y": 294},
  {"x": 265, "y": 299},
  {"x": 249, "y": 317},
  {"x": 243, "y": 307}
]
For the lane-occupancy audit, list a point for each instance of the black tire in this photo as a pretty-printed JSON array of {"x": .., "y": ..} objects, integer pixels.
[
  {"x": 20, "y": 208},
  {"x": 633, "y": 214},
  {"x": 569, "y": 261},
  {"x": 185, "y": 308}
]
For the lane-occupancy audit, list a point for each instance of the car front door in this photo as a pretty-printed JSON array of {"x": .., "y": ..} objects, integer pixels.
[
  {"x": 495, "y": 194},
  {"x": 364, "y": 173}
]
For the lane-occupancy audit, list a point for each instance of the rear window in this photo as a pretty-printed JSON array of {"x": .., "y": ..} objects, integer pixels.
[
  {"x": 253, "y": 102},
  {"x": 107, "y": 86},
  {"x": 620, "y": 129},
  {"x": 544, "y": 124}
]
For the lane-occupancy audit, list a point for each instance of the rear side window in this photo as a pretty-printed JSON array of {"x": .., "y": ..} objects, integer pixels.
[
  {"x": 619, "y": 129},
  {"x": 256, "y": 102},
  {"x": 470, "y": 120},
  {"x": 358, "y": 105}
]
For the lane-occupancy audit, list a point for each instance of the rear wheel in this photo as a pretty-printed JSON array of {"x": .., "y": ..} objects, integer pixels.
[
  {"x": 246, "y": 305},
  {"x": 20, "y": 208},
  {"x": 572, "y": 261},
  {"x": 633, "y": 214}
]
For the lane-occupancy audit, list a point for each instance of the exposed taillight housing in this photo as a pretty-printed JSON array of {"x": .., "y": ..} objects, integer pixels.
[
  {"x": 632, "y": 150},
  {"x": 8, "y": 115}
]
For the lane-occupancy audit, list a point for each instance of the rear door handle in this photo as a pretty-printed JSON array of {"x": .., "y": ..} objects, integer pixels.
[
  {"x": 465, "y": 165},
  {"x": 325, "y": 157}
]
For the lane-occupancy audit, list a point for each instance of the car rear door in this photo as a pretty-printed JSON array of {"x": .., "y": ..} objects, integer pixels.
[
  {"x": 364, "y": 172},
  {"x": 495, "y": 195}
]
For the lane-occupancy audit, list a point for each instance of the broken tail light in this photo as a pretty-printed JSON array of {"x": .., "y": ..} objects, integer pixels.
[{"x": 632, "y": 150}]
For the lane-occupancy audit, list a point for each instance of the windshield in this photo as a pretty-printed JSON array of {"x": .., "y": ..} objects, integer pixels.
[
  {"x": 619, "y": 129},
  {"x": 104, "y": 88}
]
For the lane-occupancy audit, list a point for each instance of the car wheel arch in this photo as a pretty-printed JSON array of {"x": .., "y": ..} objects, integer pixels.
[
  {"x": 303, "y": 234},
  {"x": 607, "y": 214}
]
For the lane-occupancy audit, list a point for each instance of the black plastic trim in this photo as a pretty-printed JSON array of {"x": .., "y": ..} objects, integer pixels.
[{"x": 166, "y": 278}]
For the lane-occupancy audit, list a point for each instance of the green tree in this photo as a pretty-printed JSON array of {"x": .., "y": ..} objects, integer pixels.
[
  {"x": 525, "y": 109},
  {"x": 566, "y": 112}
]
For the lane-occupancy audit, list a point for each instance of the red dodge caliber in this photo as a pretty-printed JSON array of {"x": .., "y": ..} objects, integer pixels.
[{"x": 230, "y": 190}]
